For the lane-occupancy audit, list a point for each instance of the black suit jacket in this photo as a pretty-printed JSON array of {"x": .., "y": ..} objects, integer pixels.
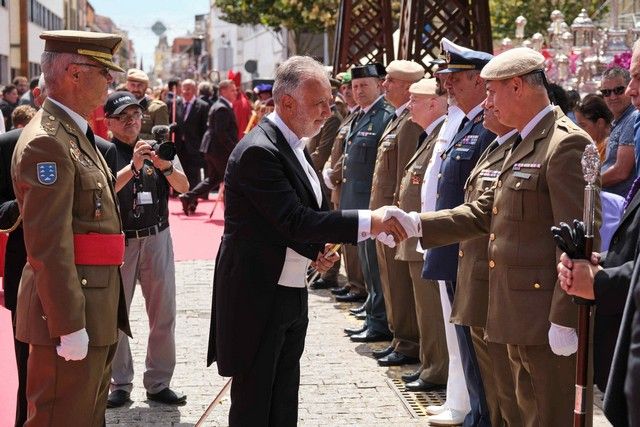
[
  {"x": 15, "y": 255},
  {"x": 269, "y": 206},
  {"x": 611, "y": 287},
  {"x": 222, "y": 130},
  {"x": 623, "y": 388},
  {"x": 189, "y": 131}
]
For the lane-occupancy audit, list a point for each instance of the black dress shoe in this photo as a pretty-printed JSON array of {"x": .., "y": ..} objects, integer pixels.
[
  {"x": 397, "y": 359},
  {"x": 357, "y": 309},
  {"x": 370, "y": 336},
  {"x": 322, "y": 284},
  {"x": 118, "y": 398},
  {"x": 420, "y": 385},
  {"x": 360, "y": 316},
  {"x": 340, "y": 291},
  {"x": 353, "y": 331},
  {"x": 186, "y": 204},
  {"x": 410, "y": 377},
  {"x": 168, "y": 397},
  {"x": 351, "y": 297},
  {"x": 377, "y": 354}
]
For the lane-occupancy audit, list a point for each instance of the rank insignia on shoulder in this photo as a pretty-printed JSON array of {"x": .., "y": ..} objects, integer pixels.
[
  {"x": 47, "y": 173},
  {"x": 478, "y": 119}
]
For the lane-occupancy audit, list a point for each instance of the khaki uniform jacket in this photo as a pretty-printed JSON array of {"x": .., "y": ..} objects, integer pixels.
[
  {"x": 409, "y": 191},
  {"x": 56, "y": 296},
  {"x": 337, "y": 157},
  {"x": 397, "y": 144},
  {"x": 539, "y": 185},
  {"x": 156, "y": 113},
  {"x": 472, "y": 285},
  {"x": 320, "y": 146}
]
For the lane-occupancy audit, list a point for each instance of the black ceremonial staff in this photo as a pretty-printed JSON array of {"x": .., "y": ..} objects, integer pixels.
[{"x": 577, "y": 242}]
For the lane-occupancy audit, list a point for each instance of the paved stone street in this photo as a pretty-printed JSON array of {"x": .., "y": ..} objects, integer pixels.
[{"x": 341, "y": 383}]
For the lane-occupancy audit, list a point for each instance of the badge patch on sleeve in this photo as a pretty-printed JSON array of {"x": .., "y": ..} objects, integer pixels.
[{"x": 47, "y": 173}]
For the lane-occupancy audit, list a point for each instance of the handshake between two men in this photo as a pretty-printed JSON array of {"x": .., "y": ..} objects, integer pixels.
[{"x": 389, "y": 224}]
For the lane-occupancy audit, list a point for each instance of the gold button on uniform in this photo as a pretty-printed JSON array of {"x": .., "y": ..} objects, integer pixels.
[
  {"x": 460, "y": 254},
  {"x": 494, "y": 210},
  {"x": 457, "y": 157},
  {"x": 51, "y": 118},
  {"x": 492, "y": 237},
  {"x": 83, "y": 282},
  {"x": 517, "y": 185},
  {"x": 536, "y": 285},
  {"x": 492, "y": 264},
  {"x": 99, "y": 185},
  {"x": 499, "y": 183},
  {"x": 344, "y": 179}
]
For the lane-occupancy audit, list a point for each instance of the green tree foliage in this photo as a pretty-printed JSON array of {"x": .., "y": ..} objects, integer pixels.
[{"x": 537, "y": 12}]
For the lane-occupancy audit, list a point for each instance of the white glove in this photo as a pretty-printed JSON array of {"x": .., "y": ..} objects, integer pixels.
[
  {"x": 562, "y": 340},
  {"x": 409, "y": 221},
  {"x": 74, "y": 346},
  {"x": 327, "y": 179},
  {"x": 386, "y": 239}
]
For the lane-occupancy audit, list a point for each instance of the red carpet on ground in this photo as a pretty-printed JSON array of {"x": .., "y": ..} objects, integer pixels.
[{"x": 195, "y": 237}]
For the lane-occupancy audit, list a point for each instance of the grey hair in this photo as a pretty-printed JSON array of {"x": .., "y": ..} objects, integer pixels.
[
  {"x": 54, "y": 65},
  {"x": 188, "y": 82},
  {"x": 293, "y": 72},
  {"x": 617, "y": 72},
  {"x": 534, "y": 79}
]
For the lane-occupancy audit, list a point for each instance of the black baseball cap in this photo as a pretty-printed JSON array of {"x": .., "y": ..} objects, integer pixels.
[{"x": 117, "y": 102}]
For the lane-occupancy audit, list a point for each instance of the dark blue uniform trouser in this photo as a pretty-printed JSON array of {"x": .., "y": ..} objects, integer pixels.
[
  {"x": 479, "y": 414},
  {"x": 374, "y": 306}
]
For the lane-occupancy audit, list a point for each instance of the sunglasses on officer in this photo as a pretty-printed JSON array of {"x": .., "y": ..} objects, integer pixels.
[{"x": 619, "y": 90}]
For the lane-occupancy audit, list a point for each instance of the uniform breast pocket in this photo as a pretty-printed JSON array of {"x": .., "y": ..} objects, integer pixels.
[
  {"x": 361, "y": 151},
  {"x": 521, "y": 195},
  {"x": 90, "y": 202},
  {"x": 458, "y": 164},
  {"x": 388, "y": 153}
]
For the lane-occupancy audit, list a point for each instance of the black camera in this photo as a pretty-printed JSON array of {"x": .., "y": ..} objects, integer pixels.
[{"x": 164, "y": 148}]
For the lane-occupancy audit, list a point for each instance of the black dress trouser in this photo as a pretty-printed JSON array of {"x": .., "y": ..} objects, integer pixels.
[{"x": 267, "y": 393}]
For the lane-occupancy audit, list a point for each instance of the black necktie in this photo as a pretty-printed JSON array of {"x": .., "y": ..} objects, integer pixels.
[
  {"x": 516, "y": 143},
  {"x": 421, "y": 139},
  {"x": 91, "y": 137},
  {"x": 464, "y": 122},
  {"x": 492, "y": 146}
]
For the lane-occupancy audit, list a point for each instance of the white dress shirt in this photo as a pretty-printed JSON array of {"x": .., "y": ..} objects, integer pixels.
[
  {"x": 77, "y": 118},
  {"x": 294, "y": 270}
]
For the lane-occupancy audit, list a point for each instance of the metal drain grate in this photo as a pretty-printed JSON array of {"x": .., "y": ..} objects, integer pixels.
[{"x": 416, "y": 403}]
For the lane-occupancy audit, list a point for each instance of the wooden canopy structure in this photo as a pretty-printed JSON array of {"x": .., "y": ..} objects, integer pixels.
[{"x": 365, "y": 27}]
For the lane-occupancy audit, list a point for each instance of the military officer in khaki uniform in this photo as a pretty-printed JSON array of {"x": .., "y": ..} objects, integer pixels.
[
  {"x": 155, "y": 111},
  {"x": 70, "y": 302},
  {"x": 540, "y": 184},
  {"x": 472, "y": 293},
  {"x": 332, "y": 177},
  {"x": 428, "y": 108},
  {"x": 397, "y": 144}
]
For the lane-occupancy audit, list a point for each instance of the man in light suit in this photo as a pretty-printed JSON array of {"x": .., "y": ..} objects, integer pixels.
[
  {"x": 218, "y": 141},
  {"x": 275, "y": 218}
]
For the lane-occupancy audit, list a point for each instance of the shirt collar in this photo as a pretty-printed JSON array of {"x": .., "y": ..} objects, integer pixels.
[
  {"x": 368, "y": 107},
  {"x": 433, "y": 124},
  {"x": 77, "y": 118},
  {"x": 503, "y": 138},
  {"x": 626, "y": 112},
  {"x": 401, "y": 108},
  {"x": 352, "y": 109},
  {"x": 291, "y": 138},
  {"x": 474, "y": 111},
  {"x": 535, "y": 120},
  {"x": 225, "y": 100}
]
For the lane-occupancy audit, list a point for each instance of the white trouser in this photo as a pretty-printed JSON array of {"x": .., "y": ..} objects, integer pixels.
[{"x": 457, "y": 394}]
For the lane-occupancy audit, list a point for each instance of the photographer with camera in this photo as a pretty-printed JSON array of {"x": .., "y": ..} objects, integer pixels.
[{"x": 146, "y": 169}]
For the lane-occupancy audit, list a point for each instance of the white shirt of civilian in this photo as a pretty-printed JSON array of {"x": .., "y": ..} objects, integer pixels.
[
  {"x": 2, "y": 128},
  {"x": 294, "y": 270}
]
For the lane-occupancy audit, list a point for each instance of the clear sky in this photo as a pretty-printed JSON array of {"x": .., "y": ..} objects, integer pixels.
[{"x": 137, "y": 17}]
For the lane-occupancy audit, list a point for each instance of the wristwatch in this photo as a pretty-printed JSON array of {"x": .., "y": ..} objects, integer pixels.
[
  {"x": 168, "y": 171},
  {"x": 134, "y": 171}
]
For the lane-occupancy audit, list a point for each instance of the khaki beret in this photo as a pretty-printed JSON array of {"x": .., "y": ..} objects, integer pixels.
[
  {"x": 98, "y": 46},
  {"x": 424, "y": 87},
  {"x": 512, "y": 63},
  {"x": 405, "y": 70},
  {"x": 137, "y": 75}
]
